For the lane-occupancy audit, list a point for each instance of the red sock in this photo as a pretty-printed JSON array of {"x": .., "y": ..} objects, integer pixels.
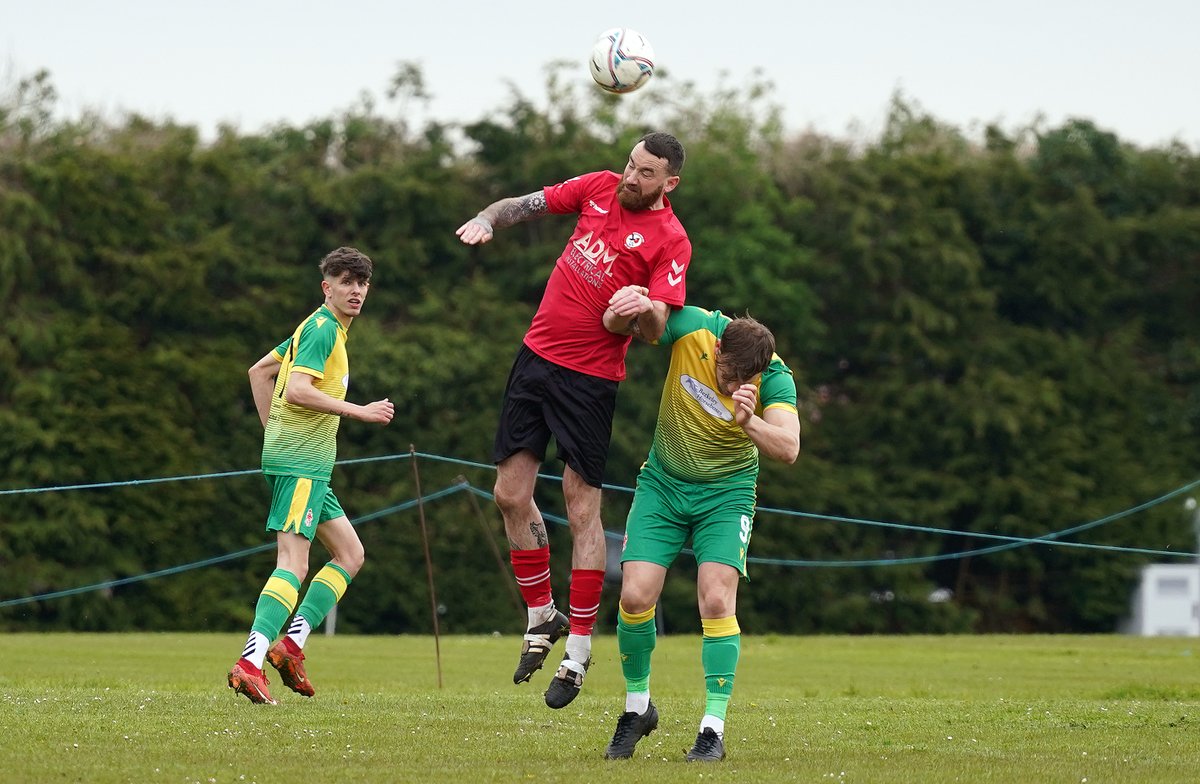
[
  {"x": 248, "y": 667},
  {"x": 585, "y": 599},
  {"x": 532, "y": 570}
]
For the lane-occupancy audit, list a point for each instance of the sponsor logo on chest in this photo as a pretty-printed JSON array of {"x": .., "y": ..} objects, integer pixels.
[
  {"x": 591, "y": 259},
  {"x": 709, "y": 400}
]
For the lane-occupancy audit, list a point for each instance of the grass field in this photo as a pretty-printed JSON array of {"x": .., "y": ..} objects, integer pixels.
[{"x": 155, "y": 708}]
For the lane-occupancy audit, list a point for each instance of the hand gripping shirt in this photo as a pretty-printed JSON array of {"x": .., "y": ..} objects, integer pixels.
[
  {"x": 611, "y": 247},
  {"x": 696, "y": 438},
  {"x": 299, "y": 441}
]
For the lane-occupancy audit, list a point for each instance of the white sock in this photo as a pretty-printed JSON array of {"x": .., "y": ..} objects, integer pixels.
[
  {"x": 637, "y": 702},
  {"x": 256, "y": 649},
  {"x": 299, "y": 630},
  {"x": 717, "y": 725},
  {"x": 539, "y": 615},
  {"x": 579, "y": 647}
]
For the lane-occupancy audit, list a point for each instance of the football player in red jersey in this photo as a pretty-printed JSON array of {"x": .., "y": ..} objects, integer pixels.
[{"x": 564, "y": 378}]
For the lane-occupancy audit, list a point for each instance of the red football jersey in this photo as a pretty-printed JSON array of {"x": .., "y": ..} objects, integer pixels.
[{"x": 612, "y": 247}]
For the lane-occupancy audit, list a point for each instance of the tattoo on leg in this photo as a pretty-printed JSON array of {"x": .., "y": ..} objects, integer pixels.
[{"x": 538, "y": 529}]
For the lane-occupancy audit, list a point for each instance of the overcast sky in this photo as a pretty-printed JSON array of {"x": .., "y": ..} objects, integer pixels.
[{"x": 1131, "y": 67}]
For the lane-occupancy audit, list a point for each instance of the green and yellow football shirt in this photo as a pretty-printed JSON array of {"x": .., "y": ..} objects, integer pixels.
[
  {"x": 299, "y": 441},
  {"x": 696, "y": 438}
]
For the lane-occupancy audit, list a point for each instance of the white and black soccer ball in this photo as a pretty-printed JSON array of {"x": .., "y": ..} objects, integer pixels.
[{"x": 622, "y": 60}]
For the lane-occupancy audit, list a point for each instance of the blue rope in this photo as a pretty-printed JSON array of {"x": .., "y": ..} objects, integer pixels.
[
  {"x": 223, "y": 558},
  {"x": 160, "y": 480},
  {"x": 1016, "y": 541},
  {"x": 1011, "y": 542}
]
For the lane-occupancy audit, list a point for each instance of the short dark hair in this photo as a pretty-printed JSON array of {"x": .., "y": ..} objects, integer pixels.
[
  {"x": 347, "y": 261},
  {"x": 746, "y": 348},
  {"x": 664, "y": 145}
]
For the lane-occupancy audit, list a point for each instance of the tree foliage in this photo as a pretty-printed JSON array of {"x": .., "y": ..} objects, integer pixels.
[{"x": 992, "y": 336}]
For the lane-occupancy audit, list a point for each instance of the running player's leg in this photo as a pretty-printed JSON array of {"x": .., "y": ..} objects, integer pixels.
[
  {"x": 276, "y": 601},
  {"x": 716, "y": 588},
  {"x": 641, "y": 585},
  {"x": 293, "y": 517},
  {"x": 655, "y": 532},
  {"x": 327, "y": 588},
  {"x": 721, "y": 543}
]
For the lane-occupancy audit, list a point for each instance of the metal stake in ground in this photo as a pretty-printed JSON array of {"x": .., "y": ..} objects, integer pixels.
[
  {"x": 505, "y": 573},
  {"x": 437, "y": 641}
]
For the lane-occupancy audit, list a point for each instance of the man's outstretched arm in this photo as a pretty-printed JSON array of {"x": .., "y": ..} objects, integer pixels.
[{"x": 501, "y": 215}]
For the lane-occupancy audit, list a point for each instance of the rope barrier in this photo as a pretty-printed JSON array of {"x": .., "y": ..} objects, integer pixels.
[
  {"x": 1015, "y": 541},
  {"x": 1052, "y": 538},
  {"x": 222, "y": 558}
]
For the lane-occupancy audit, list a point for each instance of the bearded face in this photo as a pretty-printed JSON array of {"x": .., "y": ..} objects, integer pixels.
[
  {"x": 633, "y": 198},
  {"x": 644, "y": 181}
]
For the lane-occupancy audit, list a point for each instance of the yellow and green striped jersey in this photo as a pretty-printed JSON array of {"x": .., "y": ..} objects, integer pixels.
[
  {"x": 299, "y": 441},
  {"x": 696, "y": 438}
]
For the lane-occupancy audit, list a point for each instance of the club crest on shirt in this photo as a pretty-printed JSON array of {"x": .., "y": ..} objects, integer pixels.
[
  {"x": 708, "y": 399},
  {"x": 634, "y": 240}
]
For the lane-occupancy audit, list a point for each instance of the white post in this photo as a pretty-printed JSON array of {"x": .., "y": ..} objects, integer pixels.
[
  {"x": 331, "y": 621},
  {"x": 1191, "y": 506}
]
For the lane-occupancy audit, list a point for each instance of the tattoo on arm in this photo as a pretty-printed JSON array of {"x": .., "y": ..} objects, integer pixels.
[{"x": 519, "y": 208}]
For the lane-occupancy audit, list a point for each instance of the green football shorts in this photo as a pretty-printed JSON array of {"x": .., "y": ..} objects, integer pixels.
[
  {"x": 666, "y": 510},
  {"x": 299, "y": 505}
]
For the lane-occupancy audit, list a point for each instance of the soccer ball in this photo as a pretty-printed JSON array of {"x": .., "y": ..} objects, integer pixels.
[{"x": 622, "y": 60}]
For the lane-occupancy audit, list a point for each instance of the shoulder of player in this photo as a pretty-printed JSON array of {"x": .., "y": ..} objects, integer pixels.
[
  {"x": 671, "y": 222},
  {"x": 573, "y": 195},
  {"x": 321, "y": 321},
  {"x": 667, "y": 228},
  {"x": 591, "y": 181},
  {"x": 777, "y": 368},
  {"x": 694, "y": 314},
  {"x": 777, "y": 386},
  {"x": 690, "y": 319},
  {"x": 327, "y": 317}
]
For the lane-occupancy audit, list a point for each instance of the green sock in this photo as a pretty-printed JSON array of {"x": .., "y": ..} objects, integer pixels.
[
  {"x": 275, "y": 603},
  {"x": 326, "y": 590},
  {"x": 719, "y": 654},
  {"x": 636, "y": 637}
]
